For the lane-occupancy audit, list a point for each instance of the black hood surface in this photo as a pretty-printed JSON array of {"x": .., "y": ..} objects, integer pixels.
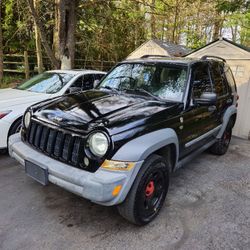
[{"x": 87, "y": 110}]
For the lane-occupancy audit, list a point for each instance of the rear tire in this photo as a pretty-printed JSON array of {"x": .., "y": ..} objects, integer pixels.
[
  {"x": 148, "y": 193},
  {"x": 221, "y": 146}
]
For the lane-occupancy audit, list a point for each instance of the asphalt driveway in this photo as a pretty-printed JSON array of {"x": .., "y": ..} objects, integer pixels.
[{"x": 208, "y": 207}]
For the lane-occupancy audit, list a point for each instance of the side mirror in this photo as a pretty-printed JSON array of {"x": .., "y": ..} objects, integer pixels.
[{"x": 206, "y": 98}]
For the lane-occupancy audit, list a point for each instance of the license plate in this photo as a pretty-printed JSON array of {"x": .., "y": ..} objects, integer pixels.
[{"x": 37, "y": 173}]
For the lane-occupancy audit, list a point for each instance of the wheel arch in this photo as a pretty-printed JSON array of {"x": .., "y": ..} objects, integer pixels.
[
  {"x": 229, "y": 115},
  {"x": 157, "y": 142},
  {"x": 13, "y": 124},
  {"x": 169, "y": 153},
  {"x": 233, "y": 119}
]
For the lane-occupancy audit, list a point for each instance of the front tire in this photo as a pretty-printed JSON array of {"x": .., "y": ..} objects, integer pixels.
[
  {"x": 16, "y": 127},
  {"x": 3, "y": 151},
  {"x": 221, "y": 146},
  {"x": 148, "y": 192}
]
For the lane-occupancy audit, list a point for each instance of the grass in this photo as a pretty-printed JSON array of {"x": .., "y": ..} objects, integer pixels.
[{"x": 11, "y": 80}]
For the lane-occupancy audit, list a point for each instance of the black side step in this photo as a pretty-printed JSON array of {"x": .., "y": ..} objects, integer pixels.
[{"x": 188, "y": 158}]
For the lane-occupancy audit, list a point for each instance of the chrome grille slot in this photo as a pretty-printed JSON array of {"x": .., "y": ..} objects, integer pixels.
[
  {"x": 58, "y": 144},
  {"x": 51, "y": 141},
  {"x": 76, "y": 151},
  {"x": 44, "y": 138}
]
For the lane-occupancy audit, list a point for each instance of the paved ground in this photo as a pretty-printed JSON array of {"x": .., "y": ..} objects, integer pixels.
[{"x": 208, "y": 207}]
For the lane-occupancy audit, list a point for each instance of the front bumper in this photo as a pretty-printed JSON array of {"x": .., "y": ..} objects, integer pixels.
[
  {"x": 4, "y": 130},
  {"x": 97, "y": 187}
]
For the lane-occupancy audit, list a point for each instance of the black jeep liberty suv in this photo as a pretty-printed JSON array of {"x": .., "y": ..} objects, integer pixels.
[{"x": 117, "y": 144}]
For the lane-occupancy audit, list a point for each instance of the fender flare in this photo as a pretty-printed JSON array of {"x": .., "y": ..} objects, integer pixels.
[
  {"x": 141, "y": 147},
  {"x": 226, "y": 118}
]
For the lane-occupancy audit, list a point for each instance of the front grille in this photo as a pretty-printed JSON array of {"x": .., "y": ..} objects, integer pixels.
[{"x": 59, "y": 145}]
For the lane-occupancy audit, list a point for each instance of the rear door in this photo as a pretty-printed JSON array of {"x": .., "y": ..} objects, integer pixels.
[
  {"x": 88, "y": 82},
  {"x": 221, "y": 88}
]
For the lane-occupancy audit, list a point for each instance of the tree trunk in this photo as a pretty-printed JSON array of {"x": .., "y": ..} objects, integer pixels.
[
  {"x": 1, "y": 45},
  {"x": 217, "y": 26},
  {"x": 153, "y": 28},
  {"x": 176, "y": 13},
  {"x": 26, "y": 65},
  {"x": 64, "y": 33},
  {"x": 38, "y": 42},
  {"x": 55, "y": 63},
  {"x": 234, "y": 31}
]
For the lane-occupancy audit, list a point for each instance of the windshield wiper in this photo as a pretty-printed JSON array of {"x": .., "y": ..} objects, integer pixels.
[
  {"x": 109, "y": 88},
  {"x": 148, "y": 93}
]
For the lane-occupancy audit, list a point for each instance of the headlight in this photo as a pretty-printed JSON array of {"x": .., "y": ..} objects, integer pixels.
[
  {"x": 98, "y": 144},
  {"x": 26, "y": 119},
  {"x": 4, "y": 113}
]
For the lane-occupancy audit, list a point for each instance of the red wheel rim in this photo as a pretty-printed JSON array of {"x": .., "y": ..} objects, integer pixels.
[{"x": 150, "y": 188}]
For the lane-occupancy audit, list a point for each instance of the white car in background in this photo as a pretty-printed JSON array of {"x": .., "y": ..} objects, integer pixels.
[{"x": 50, "y": 84}]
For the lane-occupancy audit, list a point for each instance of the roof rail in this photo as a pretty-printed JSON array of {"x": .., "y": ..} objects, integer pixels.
[
  {"x": 146, "y": 56},
  {"x": 216, "y": 57}
]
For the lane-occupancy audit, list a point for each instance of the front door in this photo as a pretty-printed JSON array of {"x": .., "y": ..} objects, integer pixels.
[{"x": 199, "y": 121}]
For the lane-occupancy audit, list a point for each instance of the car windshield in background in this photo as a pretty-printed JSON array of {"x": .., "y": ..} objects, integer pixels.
[
  {"x": 162, "y": 81},
  {"x": 48, "y": 82}
]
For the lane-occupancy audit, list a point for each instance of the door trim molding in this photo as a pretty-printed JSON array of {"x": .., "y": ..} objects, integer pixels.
[{"x": 207, "y": 134}]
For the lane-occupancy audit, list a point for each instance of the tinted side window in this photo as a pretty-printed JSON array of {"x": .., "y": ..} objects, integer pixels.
[
  {"x": 219, "y": 82},
  {"x": 78, "y": 82},
  {"x": 201, "y": 80},
  {"x": 88, "y": 81},
  {"x": 99, "y": 76}
]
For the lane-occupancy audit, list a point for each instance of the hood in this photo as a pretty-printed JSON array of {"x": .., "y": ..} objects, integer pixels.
[
  {"x": 87, "y": 110},
  {"x": 13, "y": 97}
]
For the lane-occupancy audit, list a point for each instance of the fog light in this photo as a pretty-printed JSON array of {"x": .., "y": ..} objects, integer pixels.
[
  {"x": 117, "y": 190},
  {"x": 86, "y": 161}
]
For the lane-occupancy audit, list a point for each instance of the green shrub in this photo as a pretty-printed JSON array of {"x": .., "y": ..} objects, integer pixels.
[{"x": 11, "y": 81}]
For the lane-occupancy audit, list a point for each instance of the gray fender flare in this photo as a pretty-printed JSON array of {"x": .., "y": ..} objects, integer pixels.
[
  {"x": 226, "y": 117},
  {"x": 141, "y": 147}
]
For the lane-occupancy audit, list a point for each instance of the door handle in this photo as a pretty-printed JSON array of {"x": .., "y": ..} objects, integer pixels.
[{"x": 212, "y": 108}]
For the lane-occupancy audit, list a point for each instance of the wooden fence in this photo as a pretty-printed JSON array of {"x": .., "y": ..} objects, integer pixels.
[{"x": 26, "y": 64}]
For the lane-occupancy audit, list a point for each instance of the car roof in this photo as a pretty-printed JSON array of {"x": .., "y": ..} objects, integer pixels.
[
  {"x": 77, "y": 71},
  {"x": 168, "y": 60}
]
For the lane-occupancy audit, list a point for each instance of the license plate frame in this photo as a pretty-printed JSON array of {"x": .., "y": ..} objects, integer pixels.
[{"x": 37, "y": 173}]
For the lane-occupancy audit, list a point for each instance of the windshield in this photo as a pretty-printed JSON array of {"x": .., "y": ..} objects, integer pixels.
[
  {"x": 161, "y": 80},
  {"x": 48, "y": 82}
]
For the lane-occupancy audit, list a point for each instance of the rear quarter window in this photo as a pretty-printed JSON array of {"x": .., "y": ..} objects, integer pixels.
[
  {"x": 230, "y": 78},
  {"x": 99, "y": 76},
  {"x": 219, "y": 81}
]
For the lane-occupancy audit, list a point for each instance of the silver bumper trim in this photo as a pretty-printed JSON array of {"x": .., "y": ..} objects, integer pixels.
[{"x": 96, "y": 187}]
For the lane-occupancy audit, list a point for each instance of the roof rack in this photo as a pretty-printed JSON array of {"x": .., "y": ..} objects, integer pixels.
[
  {"x": 216, "y": 57},
  {"x": 146, "y": 56}
]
